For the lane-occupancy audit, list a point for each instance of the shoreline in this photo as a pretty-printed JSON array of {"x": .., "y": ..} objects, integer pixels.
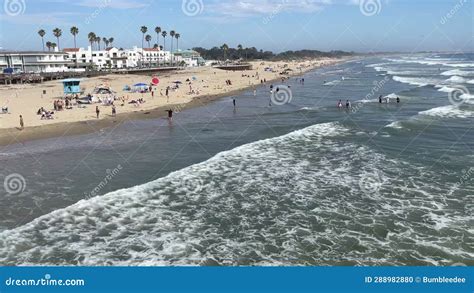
[{"x": 11, "y": 136}]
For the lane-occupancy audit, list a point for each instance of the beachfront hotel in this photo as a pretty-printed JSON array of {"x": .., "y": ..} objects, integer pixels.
[
  {"x": 81, "y": 59},
  {"x": 34, "y": 62}
]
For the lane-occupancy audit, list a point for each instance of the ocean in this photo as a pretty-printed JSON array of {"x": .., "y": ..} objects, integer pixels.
[{"x": 283, "y": 180}]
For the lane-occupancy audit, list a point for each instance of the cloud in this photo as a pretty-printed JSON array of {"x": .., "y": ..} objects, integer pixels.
[
  {"x": 117, "y": 4},
  {"x": 249, "y": 8}
]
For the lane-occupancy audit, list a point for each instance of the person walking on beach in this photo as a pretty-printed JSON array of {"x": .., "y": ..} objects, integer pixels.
[
  {"x": 167, "y": 94},
  {"x": 97, "y": 111},
  {"x": 22, "y": 124},
  {"x": 114, "y": 111}
]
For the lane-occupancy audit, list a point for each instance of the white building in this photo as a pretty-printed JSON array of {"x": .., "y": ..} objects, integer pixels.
[
  {"x": 147, "y": 57},
  {"x": 30, "y": 62},
  {"x": 115, "y": 58}
]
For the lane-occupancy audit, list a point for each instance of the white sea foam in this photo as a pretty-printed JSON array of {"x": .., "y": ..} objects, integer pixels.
[
  {"x": 456, "y": 79},
  {"x": 449, "y": 111},
  {"x": 395, "y": 125},
  {"x": 458, "y": 72},
  {"x": 419, "y": 81}
]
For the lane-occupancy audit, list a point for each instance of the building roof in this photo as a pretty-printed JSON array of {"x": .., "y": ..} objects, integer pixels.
[
  {"x": 151, "y": 49},
  {"x": 71, "y": 49},
  {"x": 31, "y": 53}
]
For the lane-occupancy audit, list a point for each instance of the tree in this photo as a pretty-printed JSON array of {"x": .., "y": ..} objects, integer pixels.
[
  {"x": 98, "y": 39},
  {"x": 177, "y": 36},
  {"x": 91, "y": 36},
  {"x": 42, "y": 33},
  {"x": 111, "y": 41},
  {"x": 143, "y": 29},
  {"x": 172, "y": 34},
  {"x": 74, "y": 32},
  {"x": 106, "y": 42},
  {"x": 164, "y": 34},
  {"x": 158, "y": 31},
  {"x": 240, "y": 49},
  {"x": 148, "y": 40},
  {"x": 225, "y": 48},
  {"x": 53, "y": 46},
  {"x": 48, "y": 44},
  {"x": 57, "y": 33}
]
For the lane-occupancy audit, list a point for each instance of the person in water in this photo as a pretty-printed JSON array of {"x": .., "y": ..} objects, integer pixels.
[
  {"x": 380, "y": 99},
  {"x": 348, "y": 104},
  {"x": 398, "y": 100},
  {"x": 233, "y": 102},
  {"x": 170, "y": 114},
  {"x": 339, "y": 104}
]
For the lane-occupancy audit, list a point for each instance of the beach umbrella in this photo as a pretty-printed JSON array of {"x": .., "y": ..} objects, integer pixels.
[{"x": 155, "y": 80}]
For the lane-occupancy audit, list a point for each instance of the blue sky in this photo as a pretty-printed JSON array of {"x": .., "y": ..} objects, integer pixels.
[{"x": 277, "y": 25}]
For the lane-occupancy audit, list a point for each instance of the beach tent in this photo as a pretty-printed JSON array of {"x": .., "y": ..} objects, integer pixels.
[{"x": 140, "y": 87}]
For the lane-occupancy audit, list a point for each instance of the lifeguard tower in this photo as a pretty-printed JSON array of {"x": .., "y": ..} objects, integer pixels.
[{"x": 72, "y": 87}]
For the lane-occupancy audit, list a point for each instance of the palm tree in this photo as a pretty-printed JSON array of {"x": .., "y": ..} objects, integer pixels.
[
  {"x": 148, "y": 40},
  {"x": 164, "y": 34},
  {"x": 172, "y": 34},
  {"x": 177, "y": 36},
  {"x": 48, "y": 44},
  {"x": 106, "y": 42},
  {"x": 224, "y": 48},
  {"x": 155, "y": 46},
  {"x": 42, "y": 33},
  {"x": 57, "y": 33},
  {"x": 143, "y": 29},
  {"x": 98, "y": 40},
  {"x": 111, "y": 41},
  {"x": 91, "y": 36},
  {"x": 53, "y": 46},
  {"x": 158, "y": 31},
  {"x": 240, "y": 48},
  {"x": 74, "y": 32}
]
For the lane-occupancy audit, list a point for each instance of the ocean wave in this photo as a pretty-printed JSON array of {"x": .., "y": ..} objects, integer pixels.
[
  {"x": 458, "y": 72},
  {"x": 449, "y": 111},
  {"x": 418, "y": 81},
  {"x": 308, "y": 197},
  {"x": 456, "y": 79},
  {"x": 395, "y": 125},
  {"x": 447, "y": 63}
]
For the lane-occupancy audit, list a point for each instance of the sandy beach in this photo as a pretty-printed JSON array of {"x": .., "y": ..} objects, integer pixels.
[{"x": 207, "y": 83}]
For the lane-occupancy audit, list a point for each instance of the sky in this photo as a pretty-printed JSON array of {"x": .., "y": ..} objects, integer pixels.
[{"x": 275, "y": 25}]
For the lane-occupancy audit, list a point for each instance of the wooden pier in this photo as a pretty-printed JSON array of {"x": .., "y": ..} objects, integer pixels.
[{"x": 23, "y": 78}]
